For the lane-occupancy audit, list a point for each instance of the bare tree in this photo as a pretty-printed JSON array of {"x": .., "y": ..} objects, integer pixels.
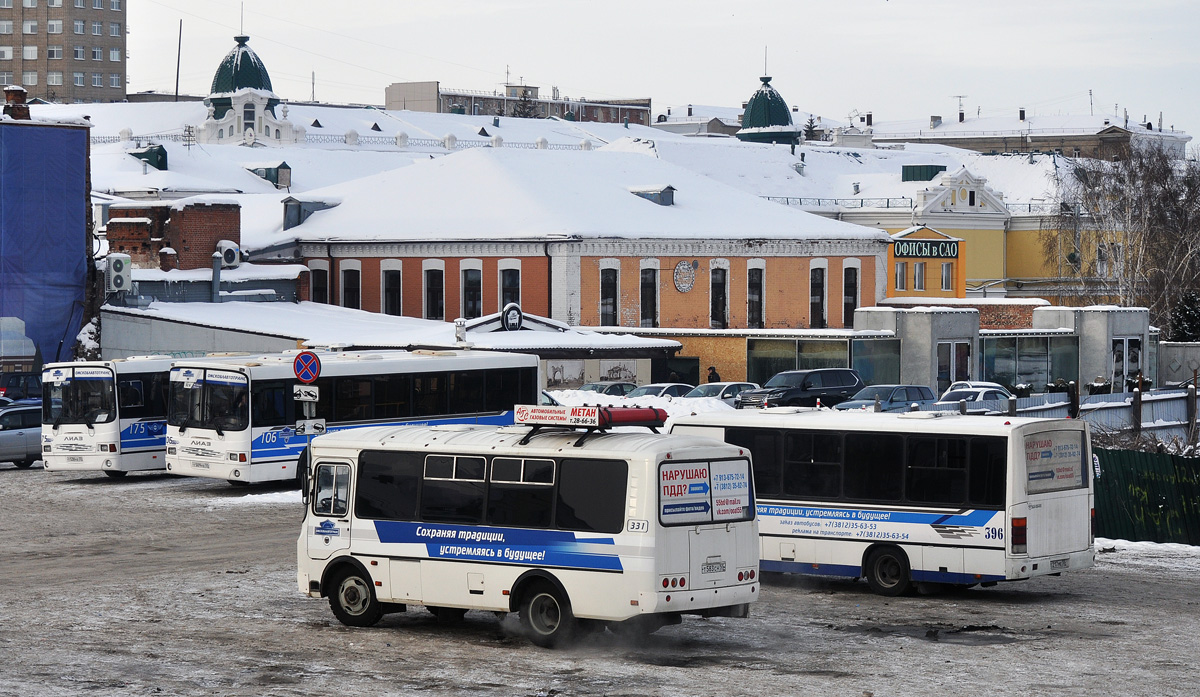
[{"x": 1128, "y": 231}]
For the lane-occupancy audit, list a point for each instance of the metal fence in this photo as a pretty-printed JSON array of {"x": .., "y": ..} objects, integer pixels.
[
  {"x": 1147, "y": 496},
  {"x": 902, "y": 202},
  {"x": 373, "y": 140}
]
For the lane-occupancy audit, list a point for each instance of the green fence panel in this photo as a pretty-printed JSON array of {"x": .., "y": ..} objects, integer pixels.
[{"x": 1147, "y": 496}]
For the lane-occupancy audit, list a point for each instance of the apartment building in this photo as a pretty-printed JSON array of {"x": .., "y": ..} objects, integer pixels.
[{"x": 64, "y": 50}]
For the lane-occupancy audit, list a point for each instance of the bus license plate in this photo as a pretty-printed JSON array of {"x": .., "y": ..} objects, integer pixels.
[
  {"x": 200, "y": 465},
  {"x": 713, "y": 567},
  {"x": 1059, "y": 563},
  {"x": 74, "y": 458}
]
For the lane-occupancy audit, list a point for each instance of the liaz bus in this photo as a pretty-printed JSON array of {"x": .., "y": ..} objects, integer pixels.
[
  {"x": 930, "y": 497},
  {"x": 105, "y": 416},
  {"x": 573, "y": 530},
  {"x": 235, "y": 419}
]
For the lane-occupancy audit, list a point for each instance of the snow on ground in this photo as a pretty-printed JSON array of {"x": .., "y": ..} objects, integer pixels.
[{"x": 1148, "y": 555}]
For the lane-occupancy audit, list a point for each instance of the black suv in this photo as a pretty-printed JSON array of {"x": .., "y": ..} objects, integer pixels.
[
  {"x": 20, "y": 385},
  {"x": 802, "y": 388}
]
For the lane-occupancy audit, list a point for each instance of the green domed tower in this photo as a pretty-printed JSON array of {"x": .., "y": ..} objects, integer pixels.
[
  {"x": 767, "y": 118},
  {"x": 240, "y": 69}
]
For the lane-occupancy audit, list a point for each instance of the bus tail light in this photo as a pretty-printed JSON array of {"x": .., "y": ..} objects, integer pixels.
[
  {"x": 1020, "y": 536},
  {"x": 1093, "y": 524}
]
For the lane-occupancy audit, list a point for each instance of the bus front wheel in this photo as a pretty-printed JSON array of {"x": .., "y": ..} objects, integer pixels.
[
  {"x": 546, "y": 616},
  {"x": 887, "y": 571},
  {"x": 115, "y": 474},
  {"x": 353, "y": 600}
]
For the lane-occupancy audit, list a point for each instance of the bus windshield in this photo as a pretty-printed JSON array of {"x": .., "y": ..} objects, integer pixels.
[
  {"x": 206, "y": 398},
  {"x": 82, "y": 396}
]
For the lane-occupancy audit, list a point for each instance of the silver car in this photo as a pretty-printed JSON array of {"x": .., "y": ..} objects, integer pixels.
[{"x": 21, "y": 434}]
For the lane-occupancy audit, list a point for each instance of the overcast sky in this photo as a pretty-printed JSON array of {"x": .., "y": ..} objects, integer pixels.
[{"x": 901, "y": 59}]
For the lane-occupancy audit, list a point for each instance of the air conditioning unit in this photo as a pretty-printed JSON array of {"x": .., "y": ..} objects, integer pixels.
[
  {"x": 231, "y": 256},
  {"x": 118, "y": 277}
]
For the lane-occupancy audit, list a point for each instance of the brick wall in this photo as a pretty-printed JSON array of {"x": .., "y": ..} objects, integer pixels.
[
  {"x": 195, "y": 229},
  {"x": 992, "y": 316}
]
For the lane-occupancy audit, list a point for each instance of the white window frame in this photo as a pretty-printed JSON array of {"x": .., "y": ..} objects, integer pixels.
[
  {"x": 29, "y": 27},
  {"x": 54, "y": 53},
  {"x": 918, "y": 275},
  {"x": 97, "y": 28},
  {"x": 468, "y": 265},
  {"x": 29, "y": 78},
  {"x": 6, "y": 77},
  {"x": 851, "y": 263},
  {"x": 760, "y": 264},
  {"x": 318, "y": 265},
  {"x": 508, "y": 265},
  {"x": 900, "y": 275},
  {"x": 78, "y": 79},
  {"x": 97, "y": 79},
  {"x": 115, "y": 5},
  {"x": 432, "y": 265},
  {"x": 79, "y": 53},
  {"x": 79, "y": 27},
  {"x": 817, "y": 263},
  {"x": 28, "y": 3},
  {"x": 603, "y": 264},
  {"x": 54, "y": 3},
  {"x": 345, "y": 265},
  {"x": 6, "y": 26},
  {"x": 54, "y": 26},
  {"x": 947, "y": 275},
  {"x": 54, "y": 77},
  {"x": 97, "y": 53},
  {"x": 114, "y": 55},
  {"x": 386, "y": 265},
  {"x": 654, "y": 264},
  {"x": 6, "y": 53},
  {"x": 720, "y": 263},
  {"x": 29, "y": 53},
  {"x": 114, "y": 28},
  {"x": 114, "y": 80}
]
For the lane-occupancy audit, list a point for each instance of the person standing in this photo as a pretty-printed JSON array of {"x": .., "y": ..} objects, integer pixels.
[{"x": 713, "y": 375}]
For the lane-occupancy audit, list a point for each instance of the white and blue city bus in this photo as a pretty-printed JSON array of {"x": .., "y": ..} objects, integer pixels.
[
  {"x": 105, "y": 416},
  {"x": 930, "y": 497},
  {"x": 573, "y": 530},
  {"x": 235, "y": 419}
]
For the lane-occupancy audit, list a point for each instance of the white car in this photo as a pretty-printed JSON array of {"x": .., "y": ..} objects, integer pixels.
[
  {"x": 724, "y": 391},
  {"x": 973, "y": 384},
  {"x": 662, "y": 389},
  {"x": 974, "y": 394}
]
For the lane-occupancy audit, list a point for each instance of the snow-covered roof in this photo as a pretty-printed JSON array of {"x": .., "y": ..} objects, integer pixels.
[
  {"x": 318, "y": 324},
  {"x": 538, "y": 195},
  {"x": 242, "y": 273},
  {"x": 1011, "y": 124}
]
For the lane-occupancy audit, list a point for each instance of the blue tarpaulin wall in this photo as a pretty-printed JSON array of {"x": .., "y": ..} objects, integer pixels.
[{"x": 44, "y": 248}]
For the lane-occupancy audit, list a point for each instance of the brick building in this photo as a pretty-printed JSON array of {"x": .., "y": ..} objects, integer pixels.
[{"x": 64, "y": 50}]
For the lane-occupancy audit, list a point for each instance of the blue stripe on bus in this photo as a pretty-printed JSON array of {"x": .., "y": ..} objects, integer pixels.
[
  {"x": 287, "y": 444},
  {"x": 144, "y": 434},
  {"x": 558, "y": 548},
  {"x": 972, "y": 518},
  {"x": 953, "y": 577}
]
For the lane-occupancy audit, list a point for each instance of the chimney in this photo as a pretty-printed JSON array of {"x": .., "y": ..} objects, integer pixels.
[
  {"x": 961, "y": 116},
  {"x": 168, "y": 259},
  {"x": 14, "y": 103},
  {"x": 869, "y": 118},
  {"x": 689, "y": 109},
  {"x": 1022, "y": 113},
  {"x": 216, "y": 277},
  {"x": 935, "y": 121}
]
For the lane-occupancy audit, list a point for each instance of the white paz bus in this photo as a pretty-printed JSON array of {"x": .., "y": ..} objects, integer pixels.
[
  {"x": 572, "y": 529},
  {"x": 235, "y": 419},
  {"x": 105, "y": 416},
  {"x": 930, "y": 497}
]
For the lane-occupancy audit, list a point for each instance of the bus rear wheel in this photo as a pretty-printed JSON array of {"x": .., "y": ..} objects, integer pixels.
[
  {"x": 546, "y": 616},
  {"x": 888, "y": 572},
  {"x": 115, "y": 474},
  {"x": 353, "y": 600},
  {"x": 24, "y": 464}
]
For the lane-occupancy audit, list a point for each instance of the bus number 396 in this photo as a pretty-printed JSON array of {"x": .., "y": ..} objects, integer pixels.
[{"x": 993, "y": 533}]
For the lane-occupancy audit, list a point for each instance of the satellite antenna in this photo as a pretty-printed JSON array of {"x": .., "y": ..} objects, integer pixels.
[{"x": 960, "y": 97}]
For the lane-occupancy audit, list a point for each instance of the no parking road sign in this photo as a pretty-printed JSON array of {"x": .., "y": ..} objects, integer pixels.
[{"x": 307, "y": 366}]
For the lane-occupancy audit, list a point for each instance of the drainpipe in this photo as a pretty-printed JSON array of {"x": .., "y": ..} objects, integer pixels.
[
  {"x": 549, "y": 281},
  {"x": 216, "y": 277}
]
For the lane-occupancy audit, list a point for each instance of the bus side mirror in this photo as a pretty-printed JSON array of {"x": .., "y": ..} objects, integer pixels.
[{"x": 303, "y": 477}]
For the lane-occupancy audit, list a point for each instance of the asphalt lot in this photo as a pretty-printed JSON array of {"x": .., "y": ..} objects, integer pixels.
[{"x": 156, "y": 584}]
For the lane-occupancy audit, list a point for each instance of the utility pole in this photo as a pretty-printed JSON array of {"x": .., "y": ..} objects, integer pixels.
[{"x": 178, "y": 57}]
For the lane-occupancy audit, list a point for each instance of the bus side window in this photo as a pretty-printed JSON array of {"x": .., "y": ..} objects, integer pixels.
[
  {"x": 591, "y": 495},
  {"x": 332, "y": 490},
  {"x": 937, "y": 470},
  {"x": 987, "y": 473},
  {"x": 764, "y": 447},
  {"x": 813, "y": 464},
  {"x": 388, "y": 485},
  {"x": 874, "y": 467}
]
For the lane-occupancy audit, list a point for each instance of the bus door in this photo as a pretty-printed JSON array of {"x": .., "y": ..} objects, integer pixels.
[
  {"x": 328, "y": 526},
  {"x": 709, "y": 497}
]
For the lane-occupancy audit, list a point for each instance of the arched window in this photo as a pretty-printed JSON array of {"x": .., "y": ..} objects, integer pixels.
[{"x": 247, "y": 117}]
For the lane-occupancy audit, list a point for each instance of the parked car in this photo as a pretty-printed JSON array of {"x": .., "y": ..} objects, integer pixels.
[
  {"x": 974, "y": 394},
  {"x": 662, "y": 389},
  {"x": 20, "y": 385},
  {"x": 611, "y": 388},
  {"x": 971, "y": 384},
  {"x": 21, "y": 433},
  {"x": 803, "y": 388},
  {"x": 724, "y": 391},
  {"x": 891, "y": 397},
  {"x": 546, "y": 400}
]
